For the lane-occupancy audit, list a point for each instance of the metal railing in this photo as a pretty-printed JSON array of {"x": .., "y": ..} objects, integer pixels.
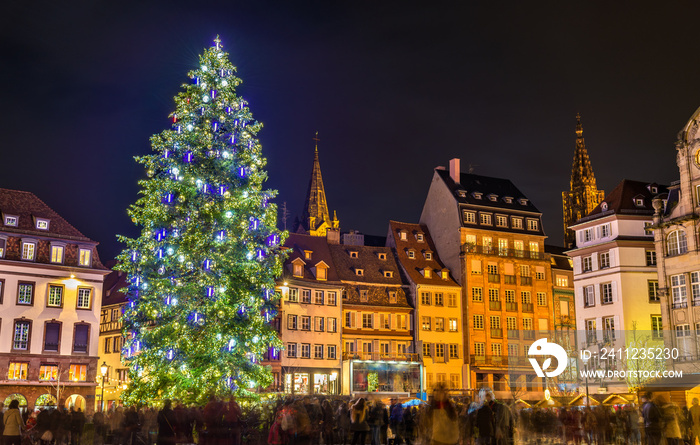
[
  {"x": 496, "y": 333},
  {"x": 494, "y": 278},
  {"x": 512, "y": 306},
  {"x": 509, "y": 279},
  {"x": 380, "y": 356},
  {"x": 513, "y": 334},
  {"x": 528, "y": 307},
  {"x": 495, "y": 305},
  {"x": 498, "y": 360},
  {"x": 486, "y": 250},
  {"x": 526, "y": 281}
]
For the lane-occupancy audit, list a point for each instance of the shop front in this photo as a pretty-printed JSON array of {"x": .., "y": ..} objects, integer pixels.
[
  {"x": 367, "y": 376},
  {"x": 311, "y": 380}
]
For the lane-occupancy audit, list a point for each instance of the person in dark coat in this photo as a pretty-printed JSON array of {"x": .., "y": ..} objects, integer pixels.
[
  {"x": 77, "y": 423},
  {"x": 652, "y": 420},
  {"x": 493, "y": 420},
  {"x": 166, "y": 425}
]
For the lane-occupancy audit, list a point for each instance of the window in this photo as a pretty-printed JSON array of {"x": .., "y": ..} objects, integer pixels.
[
  {"x": 428, "y": 256},
  {"x": 487, "y": 244},
  {"x": 452, "y": 300},
  {"x": 305, "y": 323},
  {"x": 332, "y": 298},
  {"x": 77, "y": 373},
  {"x": 385, "y": 321},
  {"x": 25, "y": 293},
  {"x": 321, "y": 273},
  {"x": 411, "y": 254},
  {"x": 425, "y": 298},
  {"x": 606, "y": 293},
  {"x": 469, "y": 217},
  {"x": 401, "y": 321},
  {"x": 364, "y": 295},
  {"x": 426, "y": 349},
  {"x": 42, "y": 224},
  {"x": 291, "y": 322},
  {"x": 454, "y": 351},
  {"x": 57, "y": 254},
  {"x": 534, "y": 249},
  {"x": 479, "y": 349},
  {"x": 331, "y": 352},
  {"x": 80, "y": 338},
  {"x": 496, "y": 349},
  {"x": 476, "y": 267},
  {"x": 392, "y": 297},
  {"x": 493, "y": 295},
  {"x": 117, "y": 343},
  {"x": 588, "y": 296},
  {"x": 590, "y": 332},
  {"x": 517, "y": 223},
  {"x": 656, "y": 328},
  {"x": 562, "y": 281},
  {"x": 678, "y": 291},
  {"x": 527, "y": 324},
  {"x": 513, "y": 351},
  {"x": 609, "y": 328},
  {"x": 84, "y": 298},
  {"x": 48, "y": 372},
  {"x": 367, "y": 320},
  {"x": 439, "y": 350},
  {"x": 604, "y": 260},
  {"x": 478, "y": 321},
  {"x": 3, "y": 243},
  {"x": 291, "y": 350},
  {"x": 318, "y": 297},
  {"x": 676, "y": 243},
  {"x": 28, "y": 250},
  {"x": 52, "y": 336},
  {"x": 293, "y": 294},
  {"x": 695, "y": 287},
  {"x": 359, "y": 272},
  {"x": 298, "y": 270},
  {"x": 539, "y": 274},
  {"x": 305, "y": 350},
  {"x": 419, "y": 237},
  {"x": 353, "y": 254},
  {"x": 349, "y": 319},
  {"x": 541, "y": 299},
  {"x": 605, "y": 231},
  {"x": 332, "y": 324},
  {"x": 452, "y": 323},
  {"x": 439, "y": 324},
  {"x": 485, "y": 218},
  {"x": 306, "y": 295},
  {"x": 85, "y": 259},
  {"x": 501, "y": 221},
  {"x": 495, "y": 322},
  {"x": 307, "y": 254},
  {"x": 683, "y": 330},
  {"x": 388, "y": 274},
  {"x": 108, "y": 345},
  {"x": 319, "y": 324},
  {"x": 318, "y": 351},
  {"x": 510, "y": 296},
  {"x": 511, "y": 323},
  {"x": 10, "y": 220},
  {"x": 524, "y": 270},
  {"x": 477, "y": 294},
  {"x": 651, "y": 257},
  {"x": 17, "y": 371},
  {"x": 525, "y": 297},
  {"x": 587, "y": 264},
  {"x": 649, "y": 226},
  {"x": 653, "y": 290},
  {"x": 55, "y": 297},
  {"x": 532, "y": 224},
  {"x": 425, "y": 323}
]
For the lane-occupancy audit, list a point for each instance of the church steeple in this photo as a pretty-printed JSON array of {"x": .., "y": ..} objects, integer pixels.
[
  {"x": 316, "y": 219},
  {"x": 583, "y": 195}
]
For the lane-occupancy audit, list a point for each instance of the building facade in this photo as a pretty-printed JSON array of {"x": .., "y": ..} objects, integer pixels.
[
  {"x": 615, "y": 276},
  {"x": 436, "y": 299},
  {"x": 111, "y": 342},
  {"x": 50, "y": 297},
  {"x": 583, "y": 195},
  {"x": 487, "y": 231}
]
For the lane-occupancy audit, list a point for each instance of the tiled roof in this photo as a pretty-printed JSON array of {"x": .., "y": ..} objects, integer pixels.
[
  {"x": 621, "y": 199},
  {"x": 111, "y": 290},
  {"x": 485, "y": 185},
  {"x": 368, "y": 260},
  {"x": 376, "y": 296},
  {"x": 27, "y": 206},
  {"x": 414, "y": 266},
  {"x": 318, "y": 245},
  {"x": 559, "y": 257}
]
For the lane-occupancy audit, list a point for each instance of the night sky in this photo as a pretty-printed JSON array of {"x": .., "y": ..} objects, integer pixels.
[{"x": 393, "y": 88}]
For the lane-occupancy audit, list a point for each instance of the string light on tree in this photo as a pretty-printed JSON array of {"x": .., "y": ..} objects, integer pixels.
[{"x": 209, "y": 250}]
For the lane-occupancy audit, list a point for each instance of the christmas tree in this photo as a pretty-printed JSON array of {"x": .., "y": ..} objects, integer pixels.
[{"x": 202, "y": 272}]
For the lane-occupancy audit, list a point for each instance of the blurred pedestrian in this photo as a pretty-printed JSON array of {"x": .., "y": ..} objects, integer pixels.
[
  {"x": 652, "y": 420},
  {"x": 694, "y": 415},
  {"x": 77, "y": 423},
  {"x": 358, "y": 422},
  {"x": 441, "y": 420},
  {"x": 670, "y": 415},
  {"x": 13, "y": 425},
  {"x": 166, "y": 424},
  {"x": 493, "y": 420}
]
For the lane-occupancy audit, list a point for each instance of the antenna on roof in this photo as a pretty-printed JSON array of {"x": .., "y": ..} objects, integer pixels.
[{"x": 285, "y": 214}]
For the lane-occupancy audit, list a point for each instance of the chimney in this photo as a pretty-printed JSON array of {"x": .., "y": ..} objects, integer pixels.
[{"x": 454, "y": 170}]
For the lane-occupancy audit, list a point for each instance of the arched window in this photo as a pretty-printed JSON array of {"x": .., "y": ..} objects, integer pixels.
[{"x": 676, "y": 243}]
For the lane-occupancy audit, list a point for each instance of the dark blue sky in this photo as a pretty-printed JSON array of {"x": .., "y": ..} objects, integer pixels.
[{"x": 394, "y": 89}]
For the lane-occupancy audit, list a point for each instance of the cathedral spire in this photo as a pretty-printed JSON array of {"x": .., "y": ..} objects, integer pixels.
[
  {"x": 316, "y": 218},
  {"x": 583, "y": 195}
]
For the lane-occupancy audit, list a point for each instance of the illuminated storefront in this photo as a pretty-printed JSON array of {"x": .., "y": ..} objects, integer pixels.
[
  {"x": 384, "y": 376},
  {"x": 311, "y": 381}
]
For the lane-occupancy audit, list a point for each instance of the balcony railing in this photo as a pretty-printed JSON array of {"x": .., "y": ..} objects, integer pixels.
[
  {"x": 498, "y": 360},
  {"x": 529, "y": 335},
  {"x": 509, "y": 279},
  {"x": 495, "y": 305},
  {"x": 494, "y": 278},
  {"x": 528, "y": 307},
  {"x": 512, "y": 307},
  {"x": 486, "y": 250},
  {"x": 380, "y": 356},
  {"x": 513, "y": 334},
  {"x": 526, "y": 281},
  {"x": 680, "y": 305},
  {"x": 496, "y": 333}
]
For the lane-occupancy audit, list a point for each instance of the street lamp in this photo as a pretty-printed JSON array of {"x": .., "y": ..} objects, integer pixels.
[
  {"x": 103, "y": 371},
  {"x": 585, "y": 366}
]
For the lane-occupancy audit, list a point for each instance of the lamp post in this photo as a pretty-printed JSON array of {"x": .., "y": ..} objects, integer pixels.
[
  {"x": 103, "y": 371},
  {"x": 585, "y": 366}
]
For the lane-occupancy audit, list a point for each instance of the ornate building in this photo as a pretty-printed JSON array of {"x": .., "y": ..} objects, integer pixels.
[
  {"x": 583, "y": 195},
  {"x": 315, "y": 220}
]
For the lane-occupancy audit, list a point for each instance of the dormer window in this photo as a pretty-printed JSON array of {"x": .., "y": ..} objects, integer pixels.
[
  {"x": 411, "y": 254},
  {"x": 419, "y": 237},
  {"x": 427, "y": 273},
  {"x": 639, "y": 202},
  {"x": 85, "y": 257},
  {"x": 381, "y": 255},
  {"x": 428, "y": 255},
  {"x": 403, "y": 236},
  {"x": 42, "y": 224},
  {"x": 508, "y": 199},
  {"x": 493, "y": 197},
  {"x": 3, "y": 246},
  {"x": 388, "y": 274},
  {"x": 360, "y": 272},
  {"x": 392, "y": 297},
  {"x": 307, "y": 254},
  {"x": 477, "y": 195},
  {"x": 522, "y": 201},
  {"x": 462, "y": 193},
  {"x": 57, "y": 251},
  {"x": 298, "y": 268},
  {"x": 364, "y": 295},
  {"x": 321, "y": 271},
  {"x": 353, "y": 254},
  {"x": 445, "y": 274},
  {"x": 532, "y": 224},
  {"x": 653, "y": 189},
  {"x": 28, "y": 250},
  {"x": 11, "y": 220},
  {"x": 517, "y": 222},
  {"x": 604, "y": 206}
]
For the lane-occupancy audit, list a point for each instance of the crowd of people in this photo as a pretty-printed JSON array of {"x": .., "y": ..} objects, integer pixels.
[{"x": 309, "y": 420}]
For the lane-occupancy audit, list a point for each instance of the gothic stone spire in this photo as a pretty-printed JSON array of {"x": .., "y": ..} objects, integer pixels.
[
  {"x": 583, "y": 195},
  {"x": 316, "y": 218}
]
